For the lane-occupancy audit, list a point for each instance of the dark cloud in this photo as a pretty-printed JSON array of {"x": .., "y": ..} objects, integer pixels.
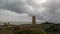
[
  {"x": 48, "y": 11},
  {"x": 12, "y": 5},
  {"x": 52, "y": 10}
]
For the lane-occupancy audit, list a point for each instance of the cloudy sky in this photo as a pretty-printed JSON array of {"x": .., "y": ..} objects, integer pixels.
[{"x": 23, "y": 10}]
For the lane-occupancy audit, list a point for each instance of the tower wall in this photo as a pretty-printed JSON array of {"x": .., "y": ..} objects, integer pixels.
[{"x": 33, "y": 20}]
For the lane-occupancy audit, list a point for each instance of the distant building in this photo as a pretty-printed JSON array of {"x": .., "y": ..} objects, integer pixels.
[{"x": 33, "y": 20}]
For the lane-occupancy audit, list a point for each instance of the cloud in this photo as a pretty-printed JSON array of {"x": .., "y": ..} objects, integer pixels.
[
  {"x": 52, "y": 10},
  {"x": 19, "y": 6},
  {"x": 47, "y": 11},
  {"x": 8, "y": 16}
]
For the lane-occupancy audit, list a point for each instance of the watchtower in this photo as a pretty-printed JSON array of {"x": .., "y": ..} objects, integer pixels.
[{"x": 33, "y": 20}]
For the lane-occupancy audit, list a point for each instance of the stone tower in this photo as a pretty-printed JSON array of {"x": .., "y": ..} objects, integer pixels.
[{"x": 33, "y": 20}]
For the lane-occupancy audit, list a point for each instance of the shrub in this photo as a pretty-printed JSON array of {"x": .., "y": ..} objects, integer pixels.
[{"x": 28, "y": 31}]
